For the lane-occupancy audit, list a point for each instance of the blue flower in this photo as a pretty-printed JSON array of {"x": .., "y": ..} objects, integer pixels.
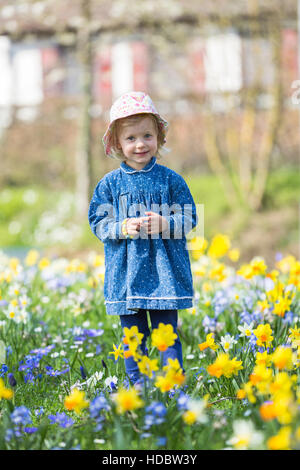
[
  {"x": 61, "y": 419},
  {"x": 43, "y": 351},
  {"x": 30, "y": 430},
  {"x": 55, "y": 373},
  {"x": 220, "y": 302},
  {"x": 209, "y": 324},
  {"x": 3, "y": 370},
  {"x": 161, "y": 441},
  {"x": 29, "y": 377},
  {"x": 182, "y": 401},
  {"x": 11, "y": 379},
  {"x": 288, "y": 318},
  {"x": 155, "y": 414},
  {"x": 39, "y": 411},
  {"x": 31, "y": 362},
  {"x": 97, "y": 405},
  {"x": 82, "y": 372},
  {"x": 21, "y": 415}
]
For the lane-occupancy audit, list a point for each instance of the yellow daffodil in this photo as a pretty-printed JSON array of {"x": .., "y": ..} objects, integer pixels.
[
  {"x": 295, "y": 274},
  {"x": 32, "y": 257},
  {"x": 117, "y": 352},
  {"x": 208, "y": 343},
  {"x": 5, "y": 393},
  {"x": 286, "y": 263},
  {"x": 76, "y": 401},
  {"x": 173, "y": 376},
  {"x": 163, "y": 336},
  {"x": 234, "y": 254},
  {"x": 133, "y": 339},
  {"x": 263, "y": 358},
  {"x": 147, "y": 366},
  {"x": 263, "y": 305},
  {"x": 164, "y": 383},
  {"x": 282, "y": 358},
  {"x": 197, "y": 247},
  {"x": 261, "y": 377},
  {"x": 98, "y": 261},
  {"x": 127, "y": 400},
  {"x": 282, "y": 305},
  {"x": 219, "y": 246},
  {"x": 174, "y": 371},
  {"x": 132, "y": 336},
  {"x": 263, "y": 334},
  {"x": 223, "y": 365},
  {"x": 267, "y": 411},
  {"x": 44, "y": 263},
  {"x": 217, "y": 272},
  {"x": 256, "y": 267},
  {"x": 281, "y": 441},
  {"x": 241, "y": 394}
]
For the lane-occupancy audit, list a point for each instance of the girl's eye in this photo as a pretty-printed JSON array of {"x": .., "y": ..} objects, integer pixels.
[
  {"x": 130, "y": 137},
  {"x": 148, "y": 135}
]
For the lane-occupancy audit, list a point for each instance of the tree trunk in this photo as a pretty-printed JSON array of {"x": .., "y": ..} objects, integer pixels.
[{"x": 83, "y": 153}]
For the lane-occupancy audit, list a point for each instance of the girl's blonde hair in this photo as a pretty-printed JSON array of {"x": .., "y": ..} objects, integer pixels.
[{"x": 161, "y": 137}]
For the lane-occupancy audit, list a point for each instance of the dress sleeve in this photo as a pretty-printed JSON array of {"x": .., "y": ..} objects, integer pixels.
[
  {"x": 102, "y": 214},
  {"x": 183, "y": 215}
]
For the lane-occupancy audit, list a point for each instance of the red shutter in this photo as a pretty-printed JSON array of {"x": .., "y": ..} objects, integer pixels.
[
  {"x": 102, "y": 71},
  {"x": 289, "y": 57},
  {"x": 140, "y": 66},
  {"x": 197, "y": 69},
  {"x": 50, "y": 62}
]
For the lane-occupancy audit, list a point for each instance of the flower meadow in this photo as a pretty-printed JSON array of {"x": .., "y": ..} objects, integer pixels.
[{"x": 62, "y": 376}]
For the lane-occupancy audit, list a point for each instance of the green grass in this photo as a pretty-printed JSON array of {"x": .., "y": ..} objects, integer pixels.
[{"x": 38, "y": 217}]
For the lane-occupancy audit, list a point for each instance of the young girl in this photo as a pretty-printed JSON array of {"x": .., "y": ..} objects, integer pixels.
[{"x": 142, "y": 212}]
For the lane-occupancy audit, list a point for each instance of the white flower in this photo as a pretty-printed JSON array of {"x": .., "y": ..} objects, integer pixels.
[
  {"x": 245, "y": 436},
  {"x": 190, "y": 356},
  {"x": 99, "y": 441},
  {"x": 96, "y": 377},
  {"x": 197, "y": 407},
  {"x": 24, "y": 300},
  {"x": 109, "y": 380},
  {"x": 227, "y": 342},
  {"x": 16, "y": 314},
  {"x": 246, "y": 330}
]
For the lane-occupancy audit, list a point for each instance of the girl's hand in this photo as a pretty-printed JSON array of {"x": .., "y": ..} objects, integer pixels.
[
  {"x": 154, "y": 223},
  {"x": 133, "y": 226}
]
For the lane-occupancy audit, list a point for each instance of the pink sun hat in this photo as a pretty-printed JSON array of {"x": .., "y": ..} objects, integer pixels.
[{"x": 134, "y": 102}]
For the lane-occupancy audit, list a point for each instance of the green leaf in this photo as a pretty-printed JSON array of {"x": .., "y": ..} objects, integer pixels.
[{"x": 2, "y": 352}]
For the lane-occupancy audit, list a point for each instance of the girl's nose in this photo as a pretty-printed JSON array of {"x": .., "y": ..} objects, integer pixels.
[{"x": 140, "y": 143}]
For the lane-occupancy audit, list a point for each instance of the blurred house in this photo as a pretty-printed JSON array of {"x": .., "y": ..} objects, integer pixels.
[
  {"x": 34, "y": 66},
  {"x": 222, "y": 62},
  {"x": 216, "y": 63}
]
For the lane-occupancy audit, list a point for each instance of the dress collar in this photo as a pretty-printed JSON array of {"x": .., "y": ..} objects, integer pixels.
[{"x": 128, "y": 169}]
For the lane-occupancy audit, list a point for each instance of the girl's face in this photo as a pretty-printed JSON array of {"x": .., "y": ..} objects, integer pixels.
[{"x": 138, "y": 141}]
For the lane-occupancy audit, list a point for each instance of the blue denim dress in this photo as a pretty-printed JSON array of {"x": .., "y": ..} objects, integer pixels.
[{"x": 148, "y": 271}]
